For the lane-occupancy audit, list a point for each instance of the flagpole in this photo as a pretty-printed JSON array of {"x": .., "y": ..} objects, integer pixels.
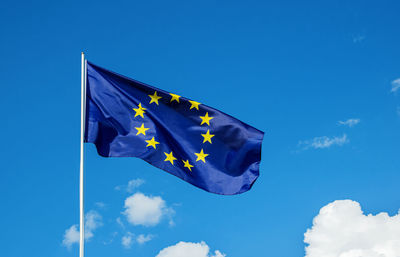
[{"x": 83, "y": 112}]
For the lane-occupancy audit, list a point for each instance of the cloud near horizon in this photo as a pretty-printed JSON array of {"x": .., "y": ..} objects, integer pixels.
[
  {"x": 341, "y": 229},
  {"x": 185, "y": 249}
]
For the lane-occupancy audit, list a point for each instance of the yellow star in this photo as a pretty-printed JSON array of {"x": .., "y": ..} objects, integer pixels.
[
  {"x": 206, "y": 119},
  {"x": 141, "y": 130},
  {"x": 207, "y": 137},
  {"x": 174, "y": 97},
  {"x": 194, "y": 104},
  {"x": 139, "y": 111},
  {"x": 152, "y": 143},
  {"x": 155, "y": 98},
  {"x": 187, "y": 165},
  {"x": 201, "y": 156},
  {"x": 170, "y": 157}
]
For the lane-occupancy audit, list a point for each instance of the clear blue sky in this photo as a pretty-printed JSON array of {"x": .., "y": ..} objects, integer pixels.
[{"x": 293, "y": 69}]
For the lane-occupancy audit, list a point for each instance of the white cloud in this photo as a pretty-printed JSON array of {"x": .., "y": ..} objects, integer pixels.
[
  {"x": 185, "y": 249},
  {"x": 324, "y": 142},
  {"x": 349, "y": 122},
  {"x": 92, "y": 222},
  {"x": 145, "y": 210},
  {"x": 141, "y": 239},
  {"x": 127, "y": 240},
  {"x": 341, "y": 229},
  {"x": 395, "y": 85},
  {"x": 71, "y": 236},
  {"x": 131, "y": 186}
]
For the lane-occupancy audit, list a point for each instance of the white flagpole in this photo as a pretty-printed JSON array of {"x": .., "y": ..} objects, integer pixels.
[{"x": 83, "y": 112}]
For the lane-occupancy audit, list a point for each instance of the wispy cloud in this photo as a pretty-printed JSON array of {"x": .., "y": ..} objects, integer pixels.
[
  {"x": 395, "y": 85},
  {"x": 358, "y": 38},
  {"x": 127, "y": 240},
  {"x": 131, "y": 186},
  {"x": 92, "y": 222},
  {"x": 109, "y": 241},
  {"x": 323, "y": 142},
  {"x": 141, "y": 239},
  {"x": 100, "y": 205},
  {"x": 350, "y": 122},
  {"x": 119, "y": 222},
  {"x": 146, "y": 210}
]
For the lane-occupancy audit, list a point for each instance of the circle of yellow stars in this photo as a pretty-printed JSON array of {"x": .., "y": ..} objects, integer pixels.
[{"x": 169, "y": 157}]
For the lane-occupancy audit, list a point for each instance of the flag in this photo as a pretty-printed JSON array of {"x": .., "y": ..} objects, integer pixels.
[{"x": 199, "y": 144}]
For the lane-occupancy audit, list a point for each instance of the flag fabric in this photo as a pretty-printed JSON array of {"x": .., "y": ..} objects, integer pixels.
[{"x": 199, "y": 144}]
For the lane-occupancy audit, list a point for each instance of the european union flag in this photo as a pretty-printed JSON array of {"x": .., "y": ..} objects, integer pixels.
[{"x": 199, "y": 144}]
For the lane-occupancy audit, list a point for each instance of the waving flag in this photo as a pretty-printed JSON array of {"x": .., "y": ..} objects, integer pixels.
[{"x": 199, "y": 144}]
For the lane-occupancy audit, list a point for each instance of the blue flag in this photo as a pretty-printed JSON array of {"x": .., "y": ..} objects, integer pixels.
[{"x": 199, "y": 144}]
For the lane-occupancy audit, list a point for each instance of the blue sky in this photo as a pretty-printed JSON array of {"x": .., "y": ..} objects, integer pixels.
[{"x": 293, "y": 69}]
